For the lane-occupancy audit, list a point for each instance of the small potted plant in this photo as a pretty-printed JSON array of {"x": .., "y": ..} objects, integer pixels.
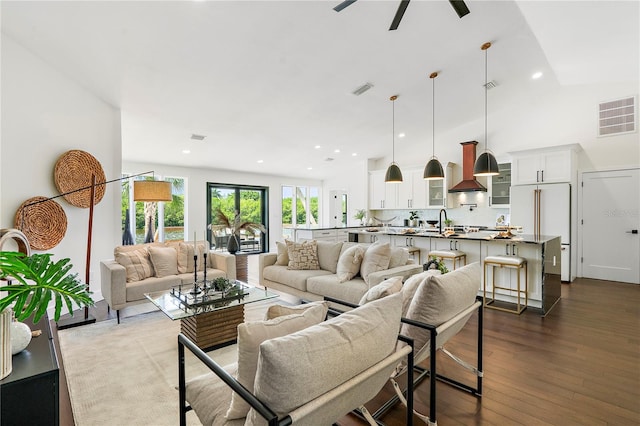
[
  {"x": 360, "y": 215},
  {"x": 413, "y": 218},
  {"x": 435, "y": 263}
]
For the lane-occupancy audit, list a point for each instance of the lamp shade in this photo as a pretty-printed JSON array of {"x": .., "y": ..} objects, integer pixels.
[
  {"x": 433, "y": 170},
  {"x": 486, "y": 165},
  {"x": 151, "y": 190},
  {"x": 393, "y": 174}
]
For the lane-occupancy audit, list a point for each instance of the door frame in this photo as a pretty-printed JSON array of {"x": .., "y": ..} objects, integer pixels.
[{"x": 580, "y": 212}]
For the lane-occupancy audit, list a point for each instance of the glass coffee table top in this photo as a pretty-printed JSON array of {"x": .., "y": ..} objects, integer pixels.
[{"x": 184, "y": 301}]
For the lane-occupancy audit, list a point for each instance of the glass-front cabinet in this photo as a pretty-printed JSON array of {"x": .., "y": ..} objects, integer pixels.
[
  {"x": 500, "y": 187},
  {"x": 438, "y": 189}
]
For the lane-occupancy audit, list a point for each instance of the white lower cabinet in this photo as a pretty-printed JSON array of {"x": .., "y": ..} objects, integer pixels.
[{"x": 333, "y": 235}]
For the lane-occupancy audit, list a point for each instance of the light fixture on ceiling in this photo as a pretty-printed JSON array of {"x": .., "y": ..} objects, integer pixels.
[
  {"x": 393, "y": 172},
  {"x": 486, "y": 164},
  {"x": 151, "y": 191},
  {"x": 433, "y": 169}
]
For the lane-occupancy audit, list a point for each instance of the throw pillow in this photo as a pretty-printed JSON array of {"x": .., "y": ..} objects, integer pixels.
[
  {"x": 252, "y": 334},
  {"x": 349, "y": 263},
  {"x": 136, "y": 263},
  {"x": 283, "y": 255},
  {"x": 185, "y": 257},
  {"x": 399, "y": 257},
  {"x": 385, "y": 288},
  {"x": 328, "y": 254},
  {"x": 275, "y": 311},
  {"x": 303, "y": 256},
  {"x": 296, "y": 368},
  {"x": 375, "y": 259},
  {"x": 439, "y": 298},
  {"x": 165, "y": 261}
]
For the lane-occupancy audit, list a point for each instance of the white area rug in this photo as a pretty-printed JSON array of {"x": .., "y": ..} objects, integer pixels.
[{"x": 127, "y": 373}]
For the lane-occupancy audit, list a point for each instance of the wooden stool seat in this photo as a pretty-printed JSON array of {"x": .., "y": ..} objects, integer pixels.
[
  {"x": 513, "y": 262},
  {"x": 456, "y": 256}
]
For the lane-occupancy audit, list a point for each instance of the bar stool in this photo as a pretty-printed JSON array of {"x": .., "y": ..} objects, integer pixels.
[
  {"x": 512, "y": 262},
  {"x": 455, "y": 256}
]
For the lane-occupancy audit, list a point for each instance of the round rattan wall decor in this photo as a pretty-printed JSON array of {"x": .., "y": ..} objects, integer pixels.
[
  {"x": 73, "y": 171},
  {"x": 44, "y": 224}
]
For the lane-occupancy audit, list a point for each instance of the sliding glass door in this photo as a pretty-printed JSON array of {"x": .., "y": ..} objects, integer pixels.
[{"x": 250, "y": 202}]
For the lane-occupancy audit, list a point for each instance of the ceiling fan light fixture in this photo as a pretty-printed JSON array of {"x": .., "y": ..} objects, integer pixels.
[
  {"x": 486, "y": 164},
  {"x": 393, "y": 175}
]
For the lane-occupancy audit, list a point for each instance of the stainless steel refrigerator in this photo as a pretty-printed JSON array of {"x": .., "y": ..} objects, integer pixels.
[{"x": 545, "y": 208}]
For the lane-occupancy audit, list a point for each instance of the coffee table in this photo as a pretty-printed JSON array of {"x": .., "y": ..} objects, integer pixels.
[{"x": 210, "y": 317}]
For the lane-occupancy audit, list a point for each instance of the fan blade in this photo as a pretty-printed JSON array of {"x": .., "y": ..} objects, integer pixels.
[
  {"x": 344, "y": 4},
  {"x": 399, "y": 14},
  {"x": 460, "y": 8}
]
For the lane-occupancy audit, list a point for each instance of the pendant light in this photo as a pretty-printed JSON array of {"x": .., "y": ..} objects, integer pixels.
[
  {"x": 486, "y": 164},
  {"x": 433, "y": 169},
  {"x": 393, "y": 174}
]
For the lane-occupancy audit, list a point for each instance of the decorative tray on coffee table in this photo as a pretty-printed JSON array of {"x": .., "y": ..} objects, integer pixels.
[{"x": 209, "y": 292}]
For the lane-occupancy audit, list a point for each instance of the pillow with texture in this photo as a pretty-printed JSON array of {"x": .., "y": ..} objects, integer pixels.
[
  {"x": 375, "y": 259},
  {"x": 328, "y": 354},
  {"x": 275, "y": 311},
  {"x": 399, "y": 257},
  {"x": 303, "y": 256},
  {"x": 252, "y": 334},
  {"x": 349, "y": 263},
  {"x": 328, "y": 254},
  {"x": 165, "y": 261},
  {"x": 283, "y": 255},
  {"x": 136, "y": 263},
  {"x": 439, "y": 298},
  {"x": 385, "y": 288}
]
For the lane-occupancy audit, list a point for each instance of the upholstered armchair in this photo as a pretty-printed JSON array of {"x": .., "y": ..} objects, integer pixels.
[{"x": 312, "y": 376}]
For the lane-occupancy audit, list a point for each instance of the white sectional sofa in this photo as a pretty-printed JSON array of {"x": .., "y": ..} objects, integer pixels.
[
  {"x": 144, "y": 268},
  {"x": 379, "y": 261}
]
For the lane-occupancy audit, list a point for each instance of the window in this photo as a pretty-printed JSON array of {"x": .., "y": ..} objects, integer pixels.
[
  {"x": 300, "y": 207},
  {"x": 249, "y": 201},
  {"x": 144, "y": 222}
]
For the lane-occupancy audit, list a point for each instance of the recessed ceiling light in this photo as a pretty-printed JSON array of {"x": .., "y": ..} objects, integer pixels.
[
  {"x": 536, "y": 75},
  {"x": 401, "y": 135},
  {"x": 317, "y": 147},
  {"x": 260, "y": 161},
  {"x": 186, "y": 151},
  {"x": 309, "y": 168},
  {"x": 336, "y": 150},
  {"x": 353, "y": 154}
]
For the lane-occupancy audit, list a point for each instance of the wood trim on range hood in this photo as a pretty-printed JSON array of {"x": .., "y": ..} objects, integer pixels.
[{"x": 469, "y": 182}]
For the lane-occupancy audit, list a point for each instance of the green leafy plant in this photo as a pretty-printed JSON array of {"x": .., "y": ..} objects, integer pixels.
[
  {"x": 360, "y": 214},
  {"x": 435, "y": 263},
  {"x": 448, "y": 222},
  {"x": 413, "y": 215},
  {"x": 40, "y": 280}
]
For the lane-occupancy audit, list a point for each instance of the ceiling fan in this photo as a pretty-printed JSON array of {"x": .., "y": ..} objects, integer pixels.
[{"x": 458, "y": 5}]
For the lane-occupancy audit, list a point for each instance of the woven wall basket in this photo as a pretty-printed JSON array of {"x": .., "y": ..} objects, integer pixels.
[
  {"x": 73, "y": 171},
  {"x": 44, "y": 224}
]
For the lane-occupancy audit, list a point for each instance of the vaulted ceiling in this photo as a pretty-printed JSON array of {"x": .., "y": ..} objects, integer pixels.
[{"x": 268, "y": 81}]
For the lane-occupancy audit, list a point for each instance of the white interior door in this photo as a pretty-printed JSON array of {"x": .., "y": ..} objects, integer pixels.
[{"x": 611, "y": 225}]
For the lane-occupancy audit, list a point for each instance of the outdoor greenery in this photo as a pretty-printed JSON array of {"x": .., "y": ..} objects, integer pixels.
[
  {"x": 173, "y": 211},
  {"x": 301, "y": 214},
  {"x": 250, "y": 204}
]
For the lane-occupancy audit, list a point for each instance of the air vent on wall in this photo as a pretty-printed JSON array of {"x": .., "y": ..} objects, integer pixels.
[
  {"x": 491, "y": 84},
  {"x": 197, "y": 137},
  {"x": 360, "y": 90},
  {"x": 616, "y": 117}
]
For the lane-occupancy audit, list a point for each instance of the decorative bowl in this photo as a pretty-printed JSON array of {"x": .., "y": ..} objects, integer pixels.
[{"x": 432, "y": 222}]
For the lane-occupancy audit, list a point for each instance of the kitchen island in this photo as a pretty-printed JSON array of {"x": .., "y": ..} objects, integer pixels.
[{"x": 541, "y": 252}]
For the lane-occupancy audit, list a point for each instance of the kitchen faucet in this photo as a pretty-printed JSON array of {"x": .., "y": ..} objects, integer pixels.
[{"x": 440, "y": 219}]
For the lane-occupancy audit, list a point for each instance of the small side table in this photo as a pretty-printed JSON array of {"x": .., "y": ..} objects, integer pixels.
[{"x": 242, "y": 267}]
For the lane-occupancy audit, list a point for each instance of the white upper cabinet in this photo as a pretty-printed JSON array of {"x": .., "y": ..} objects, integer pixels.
[
  {"x": 382, "y": 195},
  {"x": 412, "y": 192},
  {"x": 549, "y": 165}
]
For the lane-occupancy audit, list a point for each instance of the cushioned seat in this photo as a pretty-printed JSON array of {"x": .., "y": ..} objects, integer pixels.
[
  {"x": 510, "y": 262},
  {"x": 292, "y": 278},
  {"x": 330, "y": 286},
  {"x": 456, "y": 256}
]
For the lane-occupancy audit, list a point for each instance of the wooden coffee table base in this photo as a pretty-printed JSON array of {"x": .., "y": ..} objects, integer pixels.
[{"x": 217, "y": 328}]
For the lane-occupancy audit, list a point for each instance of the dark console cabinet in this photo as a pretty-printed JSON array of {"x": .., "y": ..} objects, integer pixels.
[{"x": 29, "y": 395}]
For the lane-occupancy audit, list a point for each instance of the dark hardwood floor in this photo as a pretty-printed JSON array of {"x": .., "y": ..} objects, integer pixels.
[{"x": 579, "y": 365}]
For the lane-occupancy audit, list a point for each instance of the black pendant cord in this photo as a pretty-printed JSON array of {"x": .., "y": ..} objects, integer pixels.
[
  {"x": 433, "y": 115},
  {"x": 393, "y": 130},
  {"x": 486, "y": 137}
]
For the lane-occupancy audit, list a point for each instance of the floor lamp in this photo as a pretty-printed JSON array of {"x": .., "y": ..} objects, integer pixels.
[{"x": 150, "y": 191}]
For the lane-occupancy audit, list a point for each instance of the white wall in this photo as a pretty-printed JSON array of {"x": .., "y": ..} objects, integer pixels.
[
  {"x": 196, "y": 193},
  {"x": 355, "y": 182},
  {"x": 44, "y": 115}
]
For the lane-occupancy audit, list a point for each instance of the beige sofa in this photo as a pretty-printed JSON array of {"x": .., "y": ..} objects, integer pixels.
[
  {"x": 275, "y": 272},
  {"x": 144, "y": 268}
]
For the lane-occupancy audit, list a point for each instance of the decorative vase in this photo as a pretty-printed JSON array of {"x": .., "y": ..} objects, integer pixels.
[
  {"x": 5, "y": 342},
  {"x": 20, "y": 336},
  {"x": 233, "y": 245}
]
